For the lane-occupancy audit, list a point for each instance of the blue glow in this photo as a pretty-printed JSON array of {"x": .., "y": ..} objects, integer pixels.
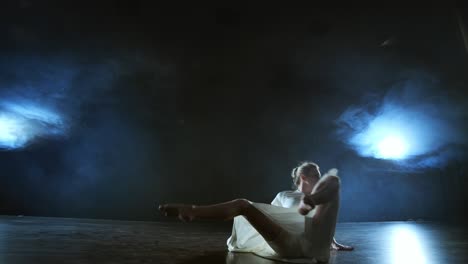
[
  {"x": 31, "y": 111},
  {"x": 392, "y": 147},
  {"x": 21, "y": 122},
  {"x": 406, "y": 126},
  {"x": 11, "y": 131}
]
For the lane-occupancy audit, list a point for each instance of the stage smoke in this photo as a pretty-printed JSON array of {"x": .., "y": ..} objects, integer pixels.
[
  {"x": 22, "y": 121},
  {"x": 412, "y": 125}
]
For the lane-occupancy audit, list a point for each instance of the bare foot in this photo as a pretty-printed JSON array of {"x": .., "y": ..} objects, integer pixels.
[
  {"x": 183, "y": 211},
  {"x": 340, "y": 247}
]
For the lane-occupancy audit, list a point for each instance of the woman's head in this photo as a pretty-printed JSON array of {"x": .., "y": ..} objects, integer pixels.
[{"x": 305, "y": 176}]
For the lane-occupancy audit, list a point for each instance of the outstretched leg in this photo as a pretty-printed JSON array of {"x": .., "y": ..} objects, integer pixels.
[{"x": 226, "y": 211}]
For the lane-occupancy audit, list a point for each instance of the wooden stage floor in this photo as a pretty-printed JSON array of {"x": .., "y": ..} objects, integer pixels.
[{"x": 64, "y": 240}]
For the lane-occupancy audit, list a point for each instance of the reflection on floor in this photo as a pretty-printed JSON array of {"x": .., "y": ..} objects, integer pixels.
[{"x": 60, "y": 240}]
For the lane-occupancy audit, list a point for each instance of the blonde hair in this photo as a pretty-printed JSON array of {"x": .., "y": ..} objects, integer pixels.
[{"x": 306, "y": 168}]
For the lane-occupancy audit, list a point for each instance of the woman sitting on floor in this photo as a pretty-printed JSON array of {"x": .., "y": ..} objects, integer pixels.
[{"x": 277, "y": 230}]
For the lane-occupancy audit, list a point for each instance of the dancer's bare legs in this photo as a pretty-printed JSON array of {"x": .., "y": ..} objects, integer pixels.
[
  {"x": 325, "y": 197},
  {"x": 226, "y": 211}
]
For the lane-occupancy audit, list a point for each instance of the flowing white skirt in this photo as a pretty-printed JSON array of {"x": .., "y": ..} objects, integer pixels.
[{"x": 245, "y": 237}]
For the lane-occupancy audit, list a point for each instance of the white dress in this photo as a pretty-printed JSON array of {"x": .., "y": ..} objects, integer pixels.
[{"x": 311, "y": 238}]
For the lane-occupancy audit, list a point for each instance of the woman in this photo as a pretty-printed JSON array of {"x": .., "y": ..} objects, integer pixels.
[
  {"x": 291, "y": 199},
  {"x": 277, "y": 230}
]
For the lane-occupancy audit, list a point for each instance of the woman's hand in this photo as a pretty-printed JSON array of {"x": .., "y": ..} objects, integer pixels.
[{"x": 305, "y": 206}]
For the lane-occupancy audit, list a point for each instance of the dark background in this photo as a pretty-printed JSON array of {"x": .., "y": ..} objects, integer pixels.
[{"x": 206, "y": 104}]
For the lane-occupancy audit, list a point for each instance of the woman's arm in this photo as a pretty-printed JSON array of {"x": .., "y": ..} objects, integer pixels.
[{"x": 325, "y": 191}]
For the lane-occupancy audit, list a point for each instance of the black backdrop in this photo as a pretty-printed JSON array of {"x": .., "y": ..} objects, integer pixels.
[{"x": 206, "y": 104}]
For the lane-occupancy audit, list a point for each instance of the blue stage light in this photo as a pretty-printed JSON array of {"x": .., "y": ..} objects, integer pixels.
[
  {"x": 392, "y": 147},
  {"x": 408, "y": 126},
  {"x": 12, "y": 131},
  {"x": 21, "y": 122}
]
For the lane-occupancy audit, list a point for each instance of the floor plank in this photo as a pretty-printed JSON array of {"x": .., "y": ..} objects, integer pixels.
[{"x": 67, "y": 240}]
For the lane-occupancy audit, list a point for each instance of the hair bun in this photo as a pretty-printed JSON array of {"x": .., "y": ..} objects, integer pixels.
[{"x": 293, "y": 173}]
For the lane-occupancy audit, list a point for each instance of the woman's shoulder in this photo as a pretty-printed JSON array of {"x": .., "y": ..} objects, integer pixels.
[{"x": 283, "y": 192}]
